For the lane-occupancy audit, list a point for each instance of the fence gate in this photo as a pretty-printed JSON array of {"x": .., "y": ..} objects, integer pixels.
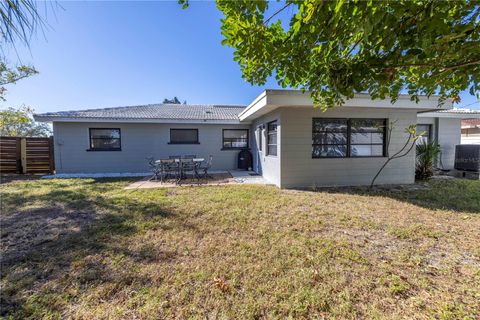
[
  {"x": 26, "y": 155},
  {"x": 10, "y": 155}
]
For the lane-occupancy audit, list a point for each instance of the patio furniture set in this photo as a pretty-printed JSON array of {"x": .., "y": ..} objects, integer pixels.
[{"x": 180, "y": 168}]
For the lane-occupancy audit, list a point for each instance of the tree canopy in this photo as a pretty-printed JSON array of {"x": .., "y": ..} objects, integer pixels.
[
  {"x": 337, "y": 48},
  {"x": 20, "y": 123}
]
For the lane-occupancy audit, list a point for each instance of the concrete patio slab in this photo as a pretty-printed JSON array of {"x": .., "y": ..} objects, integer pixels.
[
  {"x": 247, "y": 177},
  {"x": 218, "y": 178}
]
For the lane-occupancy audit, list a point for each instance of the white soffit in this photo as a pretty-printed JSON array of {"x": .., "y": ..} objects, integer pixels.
[{"x": 270, "y": 100}]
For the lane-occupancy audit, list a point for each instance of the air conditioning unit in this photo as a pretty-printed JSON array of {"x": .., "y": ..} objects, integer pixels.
[{"x": 467, "y": 157}]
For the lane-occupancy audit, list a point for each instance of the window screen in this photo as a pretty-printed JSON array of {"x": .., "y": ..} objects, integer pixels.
[
  {"x": 367, "y": 137},
  {"x": 329, "y": 138},
  {"x": 340, "y": 138},
  {"x": 183, "y": 136},
  {"x": 235, "y": 138},
  {"x": 272, "y": 129},
  {"x": 105, "y": 139},
  {"x": 427, "y": 132}
]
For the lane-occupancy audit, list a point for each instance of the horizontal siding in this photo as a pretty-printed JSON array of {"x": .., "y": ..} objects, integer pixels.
[
  {"x": 449, "y": 135},
  {"x": 268, "y": 166},
  {"x": 298, "y": 169},
  {"x": 138, "y": 141}
]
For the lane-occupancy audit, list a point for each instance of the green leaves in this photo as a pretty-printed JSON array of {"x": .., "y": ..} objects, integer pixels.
[
  {"x": 18, "y": 21},
  {"x": 335, "y": 49},
  {"x": 426, "y": 155},
  {"x": 183, "y": 3},
  {"x": 10, "y": 75},
  {"x": 19, "y": 122}
]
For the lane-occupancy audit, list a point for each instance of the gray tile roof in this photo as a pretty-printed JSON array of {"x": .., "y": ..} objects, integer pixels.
[{"x": 152, "y": 112}]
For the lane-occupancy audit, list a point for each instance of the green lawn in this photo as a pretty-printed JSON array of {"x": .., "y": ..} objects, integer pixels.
[{"x": 86, "y": 249}]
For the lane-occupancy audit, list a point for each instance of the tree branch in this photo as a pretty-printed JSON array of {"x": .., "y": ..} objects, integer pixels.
[
  {"x": 2, "y": 83},
  {"x": 398, "y": 154},
  {"x": 445, "y": 68},
  {"x": 403, "y": 148},
  {"x": 457, "y": 66},
  {"x": 276, "y": 12},
  {"x": 410, "y": 149},
  {"x": 353, "y": 47}
]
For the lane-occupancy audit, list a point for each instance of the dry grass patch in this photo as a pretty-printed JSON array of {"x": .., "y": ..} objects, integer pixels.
[{"x": 86, "y": 249}]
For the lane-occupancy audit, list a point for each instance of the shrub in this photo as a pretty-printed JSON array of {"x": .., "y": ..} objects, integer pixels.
[{"x": 427, "y": 152}]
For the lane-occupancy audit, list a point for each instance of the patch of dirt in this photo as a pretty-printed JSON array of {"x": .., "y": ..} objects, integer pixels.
[
  {"x": 28, "y": 231},
  {"x": 18, "y": 177},
  {"x": 214, "y": 179}
]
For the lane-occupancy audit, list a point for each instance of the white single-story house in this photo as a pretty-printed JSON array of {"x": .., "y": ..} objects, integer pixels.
[{"x": 293, "y": 144}]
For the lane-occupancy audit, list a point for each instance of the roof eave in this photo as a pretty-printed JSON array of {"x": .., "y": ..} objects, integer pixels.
[
  {"x": 270, "y": 100},
  {"x": 41, "y": 118}
]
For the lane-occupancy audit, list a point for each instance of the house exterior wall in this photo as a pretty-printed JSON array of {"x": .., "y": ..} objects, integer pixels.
[
  {"x": 448, "y": 135},
  {"x": 266, "y": 165},
  {"x": 300, "y": 170},
  {"x": 138, "y": 141}
]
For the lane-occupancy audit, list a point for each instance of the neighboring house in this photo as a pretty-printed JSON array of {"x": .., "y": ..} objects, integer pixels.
[
  {"x": 445, "y": 127},
  {"x": 293, "y": 143},
  {"x": 471, "y": 131}
]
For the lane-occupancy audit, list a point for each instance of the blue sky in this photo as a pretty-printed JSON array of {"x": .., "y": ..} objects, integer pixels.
[{"x": 106, "y": 54}]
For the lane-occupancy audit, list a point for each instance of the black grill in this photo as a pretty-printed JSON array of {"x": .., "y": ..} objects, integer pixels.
[
  {"x": 244, "y": 160},
  {"x": 467, "y": 157}
]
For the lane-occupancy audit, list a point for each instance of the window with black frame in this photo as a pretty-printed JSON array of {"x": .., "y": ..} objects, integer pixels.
[
  {"x": 341, "y": 138},
  {"x": 104, "y": 139},
  {"x": 235, "y": 138},
  {"x": 183, "y": 136},
  {"x": 329, "y": 138},
  {"x": 427, "y": 132},
  {"x": 272, "y": 129},
  {"x": 367, "y": 137}
]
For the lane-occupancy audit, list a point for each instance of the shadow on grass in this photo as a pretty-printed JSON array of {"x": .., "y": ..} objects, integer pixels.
[
  {"x": 78, "y": 226},
  {"x": 457, "y": 195}
]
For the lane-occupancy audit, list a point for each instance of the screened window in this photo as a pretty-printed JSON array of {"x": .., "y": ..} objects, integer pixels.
[
  {"x": 184, "y": 136},
  {"x": 329, "y": 138},
  {"x": 272, "y": 130},
  {"x": 235, "y": 138},
  {"x": 340, "y": 138},
  {"x": 427, "y": 133},
  {"x": 105, "y": 139},
  {"x": 367, "y": 137}
]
